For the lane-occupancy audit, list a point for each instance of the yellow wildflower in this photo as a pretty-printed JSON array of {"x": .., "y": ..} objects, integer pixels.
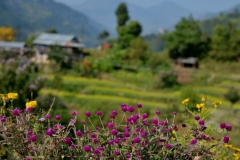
[
  {"x": 31, "y": 104},
  {"x": 12, "y": 96},
  {"x": 185, "y": 101},
  {"x": 204, "y": 98},
  {"x": 216, "y": 103},
  {"x": 173, "y": 139},
  {"x": 228, "y": 145},
  {"x": 173, "y": 131}
]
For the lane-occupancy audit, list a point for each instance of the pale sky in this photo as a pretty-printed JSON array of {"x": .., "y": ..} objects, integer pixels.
[{"x": 194, "y": 5}]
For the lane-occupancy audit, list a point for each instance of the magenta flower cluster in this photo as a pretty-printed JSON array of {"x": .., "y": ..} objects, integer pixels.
[{"x": 137, "y": 136}]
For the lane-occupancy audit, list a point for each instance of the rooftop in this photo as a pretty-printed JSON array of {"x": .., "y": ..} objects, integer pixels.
[
  {"x": 58, "y": 39},
  {"x": 8, "y": 45}
]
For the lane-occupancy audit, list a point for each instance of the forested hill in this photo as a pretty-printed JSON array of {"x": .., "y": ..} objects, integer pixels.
[
  {"x": 35, "y": 16},
  {"x": 224, "y": 18}
]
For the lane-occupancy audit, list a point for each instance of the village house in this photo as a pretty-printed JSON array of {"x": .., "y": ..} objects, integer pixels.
[
  {"x": 18, "y": 47},
  {"x": 44, "y": 42}
]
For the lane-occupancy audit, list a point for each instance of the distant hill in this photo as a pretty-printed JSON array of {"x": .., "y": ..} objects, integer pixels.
[
  {"x": 35, "y": 16},
  {"x": 164, "y": 15},
  {"x": 230, "y": 16}
]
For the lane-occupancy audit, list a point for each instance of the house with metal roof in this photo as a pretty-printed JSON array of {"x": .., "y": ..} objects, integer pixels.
[
  {"x": 69, "y": 43},
  {"x": 12, "y": 46}
]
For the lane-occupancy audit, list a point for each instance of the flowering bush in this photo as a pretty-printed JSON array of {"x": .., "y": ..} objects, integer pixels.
[{"x": 27, "y": 135}]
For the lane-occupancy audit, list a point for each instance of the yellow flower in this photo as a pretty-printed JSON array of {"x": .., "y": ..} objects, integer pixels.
[
  {"x": 228, "y": 145},
  {"x": 216, "y": 103},
  {"x": 12, "y": 96},
  {"x": 201, "y": 105},
  {"x": 185, "y": 101},
  {"x": 173, "y": 139},
  {"x": 173, "y": 131},
  {"x": 31, "y": 104},
  {"x": 204, "y": 98}
]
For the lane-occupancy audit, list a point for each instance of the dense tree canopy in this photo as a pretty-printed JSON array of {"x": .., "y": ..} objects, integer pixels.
[
  {"x": 122, "y": 14},
  {"x": 187, "y": 40},
  {"x": 226, "y": 43}
]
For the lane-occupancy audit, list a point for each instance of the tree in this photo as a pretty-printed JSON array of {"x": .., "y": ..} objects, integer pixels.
[
  {"x": 138, "y": 50},
  {"x": 225, "y": 45},
  {"x": 232, "y": 95},
  {"x": 6, "y": 34},
  {"x": 52, "y": 30},
  {"x": 187, "y": 40},
  {"x": 134, "y": 28},
  {"x": 122, "y": 14},
  {"x": 103, "y": 35}
]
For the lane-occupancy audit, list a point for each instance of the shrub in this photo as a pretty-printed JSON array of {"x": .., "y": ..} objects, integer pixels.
[{"x": 41, "y": 135}]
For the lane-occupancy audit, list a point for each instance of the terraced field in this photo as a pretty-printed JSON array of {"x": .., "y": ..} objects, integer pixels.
[{"x": 86, "y": 93}]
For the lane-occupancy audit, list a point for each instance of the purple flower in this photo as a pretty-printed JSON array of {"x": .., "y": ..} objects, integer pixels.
[
  {"x": 193, "y": 141},
  {"x": 116, "y": 153},
  {"x": 33, "y": 138},
  {"x": 184, "y": 125},
  {"x": 124, "y": 108},
  {"x": 83, "y": 122},
  {"x": 145, "y": 115},
  {"x": 86, "y": 148},
  {"x": 136, "y": 140},
  {"x": 112, "y": 116},
  {"x": 67, "y": 140},
  {"x": 228, "y": 127},
  {"x": 56, "y": 127},
  {"x": 168, "y": 146},
  {"x": 71, "y": 156},
  {"x": 48, "y": 116},
  {"x": 3, "y": 119},
  {"x": 16, "y": 112},
  {"x": 226, "y": 139},
  {"x": 139, "y": 105},
  {"x": 93, "y": 135},
  {"x": 154, "y": 121},
  {"x": 153, "y": 130},
  {"x": 30, "y": 132},
  {"x": 128, "y": 155},
  {"x": 88, "y": 114},
  {"x": 57, "y": 117},
  {"x": 174, "y": 113},
  {"x": 126, "y": 134},
  {"x": 207, "y": 138},
  {"x": 49, "y": 132},
  {"x": 72, "y": 146},
  {"x": 123, "y": 105},
  {"x": 124, "y": 139},
  {"x": 158, "y": 112},
  {"x": 72, "y": 121},
  {"x": 114, "y": 132},
  {"x": 110, "y": 125},
  {"x": 28, "y": 158},
  {"x": 114, "y": 112},
  {"x": 143, "y": 134},
  {"x": 203, "y": 136},
  {"x": 201, "y": 122},
  {"x": 96, "y": 151},
  {"x": 116, "y": 141},
  {"x": 222, "y": 125},
  {"x": 197, "y": 118},
  {"x": 95, "y": 140},
  {"x": 74, "y": 113},
  {"x": 131, "y": 109},
  {"x": 138, "y": 129},
  {"x": 99, "y": 113},
  {"x": 111, "y": 142}
]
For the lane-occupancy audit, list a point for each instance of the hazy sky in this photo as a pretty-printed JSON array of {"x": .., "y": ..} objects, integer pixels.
[{"x": 194, "y": 5}]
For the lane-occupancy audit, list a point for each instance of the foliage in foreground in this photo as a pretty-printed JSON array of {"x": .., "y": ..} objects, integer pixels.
[{"x": 29, "y": 135}]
